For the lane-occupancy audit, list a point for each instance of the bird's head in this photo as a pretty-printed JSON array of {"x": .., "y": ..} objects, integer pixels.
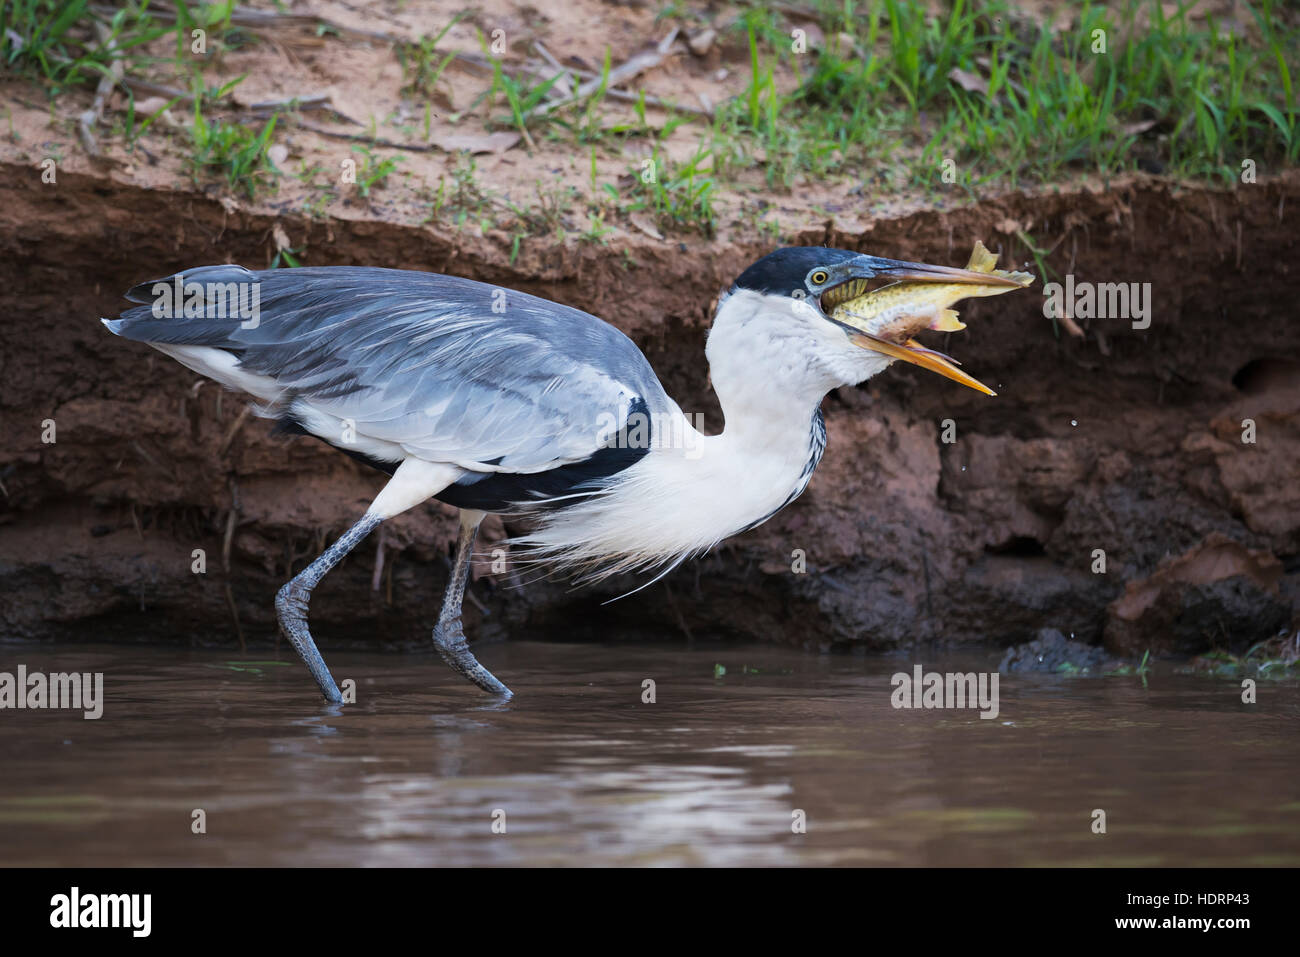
[{"x": 782, "y": 305}]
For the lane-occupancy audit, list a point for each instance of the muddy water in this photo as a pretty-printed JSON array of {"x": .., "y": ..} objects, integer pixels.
[{"x": 713, "y": 772}]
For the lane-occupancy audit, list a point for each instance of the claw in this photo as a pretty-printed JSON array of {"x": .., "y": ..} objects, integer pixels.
[{"x": 449, "y": 639}]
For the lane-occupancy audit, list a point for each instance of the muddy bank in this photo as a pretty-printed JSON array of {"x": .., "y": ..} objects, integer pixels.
[{"x": 1123, "y": 442}]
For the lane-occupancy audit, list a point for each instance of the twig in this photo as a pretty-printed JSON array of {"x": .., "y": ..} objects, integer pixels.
[
  {"x": 317, "y": 101},
  {"x": 359, "y": 138},
  {"x": 630, "y": 97},
  {"x": 234, "y": 613},
  {"x": 313, "y": 101},
  {"x": 627, "y": 96},
  {"x": 637, "y": 64},
  {"x": 87, "y": 120},
  {"x": 681, "y": 622},
  {"x": 563, "y": 74},
  {"x": 157, "y": 89},
  {"x": 234, "y": 430},
  {"x": 232, "y": 522},
  {"x": 379, "y": 558},
  {"x": 267, "y": 18},
  {"x": 790, "y": 9}
]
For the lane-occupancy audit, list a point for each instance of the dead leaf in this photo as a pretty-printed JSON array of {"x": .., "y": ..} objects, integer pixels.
[
  {"x": 1133, "y": 129},
  {"x": 150, "y": 105},
  {"x": 813, "y": 36},
  {"x": 702, "y": 41},
  {"x": 280, "y": 236},
  {"x": 497, "y": 142},
  {"x": 843, "y": 45},
  {"x": 970, "y": 82},
  {"x": 646, "y": 226}
]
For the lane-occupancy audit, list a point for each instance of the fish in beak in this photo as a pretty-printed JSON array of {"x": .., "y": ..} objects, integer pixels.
[{"x": 885, "y": 319}]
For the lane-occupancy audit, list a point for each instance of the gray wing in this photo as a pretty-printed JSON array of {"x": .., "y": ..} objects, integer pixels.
[{"x": 450, "y": 369}]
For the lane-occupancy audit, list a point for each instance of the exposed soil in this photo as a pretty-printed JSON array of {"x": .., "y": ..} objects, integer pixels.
[
  {"x": 1122, "y": 440},
  {"x": 513, "y": 186}
]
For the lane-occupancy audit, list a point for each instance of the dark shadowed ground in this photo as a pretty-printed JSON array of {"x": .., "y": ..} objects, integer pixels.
[{"x": 1125, "y": 442}]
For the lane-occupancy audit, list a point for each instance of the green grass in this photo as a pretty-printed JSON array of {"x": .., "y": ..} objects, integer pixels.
[
  {"x": 678, "y": 195},
  {"x": 523, "y": 98},
  {"x": 422, "y": 65},
  {"x": 234, "y": 151},
  {"x": 975, "y": 86},
  {"x": 54, "y": 40},
  {"x": 1000, "y": 98},
  {"x": 289, "y": 258},
  {"x": 57, "y": 40},
  {"x": 1142, "y": 670},
  {"x": 373, "y": 171},
  {"x": 68, "y": 43},
  {"x": 462, "y": 194},
  {"x": 1051, "y": 104},
  {"x": 1277, "y": 657}
]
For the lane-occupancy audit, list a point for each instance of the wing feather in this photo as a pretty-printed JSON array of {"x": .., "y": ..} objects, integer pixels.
[{"x": 448, "y": 369}]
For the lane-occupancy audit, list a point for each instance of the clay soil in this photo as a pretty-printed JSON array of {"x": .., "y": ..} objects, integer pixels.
[{"x": 1117, "y": 441}]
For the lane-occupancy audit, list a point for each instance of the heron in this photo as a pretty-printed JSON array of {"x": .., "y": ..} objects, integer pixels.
[{"x": 497, "y": 401}]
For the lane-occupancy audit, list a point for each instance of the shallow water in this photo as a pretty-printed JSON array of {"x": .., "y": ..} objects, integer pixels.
[{"x": 586, "y": 773}]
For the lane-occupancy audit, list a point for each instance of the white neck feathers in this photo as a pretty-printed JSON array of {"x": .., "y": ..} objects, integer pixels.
[{"x": 771, "y": 368}]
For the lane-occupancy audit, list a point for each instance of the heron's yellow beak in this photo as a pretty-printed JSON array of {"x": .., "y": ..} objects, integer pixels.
[{"x": 917, "y": 354}]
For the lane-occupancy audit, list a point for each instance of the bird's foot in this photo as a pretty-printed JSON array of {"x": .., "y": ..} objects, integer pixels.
[
  {"x": 291, "y": 612},
  {"x": 449, "y": 638}
]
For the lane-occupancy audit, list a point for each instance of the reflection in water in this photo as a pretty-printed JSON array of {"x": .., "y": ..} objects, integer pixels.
[{"x": 581, "y": 771}]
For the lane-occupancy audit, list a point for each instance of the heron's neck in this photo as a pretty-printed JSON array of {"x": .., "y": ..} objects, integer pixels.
[
  {"x": 693, "y": 490},
  {"x": 770, "y": 379},
  {"x": 704, "y": 488},
  {"x": 772, "y": 439},
  {"x": 768, "y": 374}
]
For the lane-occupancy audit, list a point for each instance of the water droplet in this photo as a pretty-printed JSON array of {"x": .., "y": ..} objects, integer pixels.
[{"x": 1074, "y": 421}]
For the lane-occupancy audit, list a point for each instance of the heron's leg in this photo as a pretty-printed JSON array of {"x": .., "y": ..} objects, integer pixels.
[
  {"x": 291, "y": 603},
  {"x": 448, "y": 635}
]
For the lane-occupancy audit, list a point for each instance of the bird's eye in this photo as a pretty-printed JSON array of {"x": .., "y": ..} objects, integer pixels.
[{"x": 819, "y": 277}]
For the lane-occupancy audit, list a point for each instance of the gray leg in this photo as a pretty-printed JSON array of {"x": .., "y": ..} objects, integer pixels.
[
  {"x": 291, "y": 603},
  {"x": 447, "y": 634}
]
